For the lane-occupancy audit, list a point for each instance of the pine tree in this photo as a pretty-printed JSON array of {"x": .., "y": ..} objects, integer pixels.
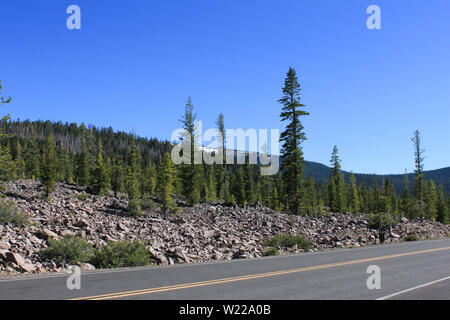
[
  {"x": 337, "y": 190},
  {"x": 363, "y": 197},
  {"x": 133, "y": 187},
  {"x": 264, "y": 186},
  {"x": 406, "y": 197},
  {"x": 430, "y": 200},
  {"x": 65, "y": 167},
  {"x": 83, "y": 161},
  {"x": 291, "y": 152},
  {"x": 150, "y": 179},
  {"x": 275, "y": 198},
  {"x": 165, "y": 185},
  {"x": 6, "y": 161},
  {"x": 220, "y": 167},
  {"x": 442, "y": 209},
  {"x": 354, "y": 203},
  {"x": 418, "y": 179},
  {"x": 101, "y": 181},
  {"x": 211, "y": 185},
  {"x": 19, "y": 162},
  {"x": 237, "y": 186},
  {"x": 375, "y": 206},
  {"x": 228, "y": 197},
  {"x": 311, "y": 197},
  {"x": 118, "y": 178},
  {"x": 6, "y": 164},
  {"x": 32, "y": 159},
  {"x": 190, "y": 173},
  {"x": 49, "y": 166},
  {"x": 249, "y": 184}
]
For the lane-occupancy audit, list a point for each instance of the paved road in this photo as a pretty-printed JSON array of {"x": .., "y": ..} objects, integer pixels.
[{"x": 412, "y": 270}]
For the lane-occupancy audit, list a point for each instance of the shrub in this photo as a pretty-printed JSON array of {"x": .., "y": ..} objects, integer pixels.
[
  {"x": 9, "y": 213},
  {"x": 410, "y": 237},
  {"x": 122, "y": 254},
  {"x": 287, "y": 241},
  {"x": 70, "y": 250},
  {"x": 81, "y": 196},
  {"x": 379, "y": 220},
  {"x": 272, "y": 251},
  {"x": 148, "y": 204}
]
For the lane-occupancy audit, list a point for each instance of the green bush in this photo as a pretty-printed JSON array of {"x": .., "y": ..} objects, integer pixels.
[
  {"x": 272, "y": 251},
  {"x": 81, "y": 196},
  {"x": 410, "y": 237},
  {"x": 122, "y": 254},
  {"x": 70, "y": 250},
  {"x": 379, "y": 220},
  {"x": 287, "y": 241},
  {"x": 9, "y": 213},
  {"x": 148, "y": 204}
]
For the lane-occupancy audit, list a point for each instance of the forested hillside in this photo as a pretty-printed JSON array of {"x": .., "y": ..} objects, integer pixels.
[
  {"x": 322, "y": 173},
  {"x": 107, "y": 162}
]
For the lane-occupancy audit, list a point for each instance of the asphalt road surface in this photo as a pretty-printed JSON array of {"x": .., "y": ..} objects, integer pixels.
[{"x": 409, "y": 270}]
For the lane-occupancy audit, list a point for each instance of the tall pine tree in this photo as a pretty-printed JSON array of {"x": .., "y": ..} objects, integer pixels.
[
  {"x": 291, "y": 152},
  {"x": 190, "y": 173}
]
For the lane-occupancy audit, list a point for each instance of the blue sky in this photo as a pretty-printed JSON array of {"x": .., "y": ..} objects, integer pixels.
[{"x": 134, "y": 63}]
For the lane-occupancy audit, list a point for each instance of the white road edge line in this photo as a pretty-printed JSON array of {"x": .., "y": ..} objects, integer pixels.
[{"x": 414, "y": 288}]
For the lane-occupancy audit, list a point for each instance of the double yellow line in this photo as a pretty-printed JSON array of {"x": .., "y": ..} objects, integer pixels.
[{"x": 248, "y": 277}]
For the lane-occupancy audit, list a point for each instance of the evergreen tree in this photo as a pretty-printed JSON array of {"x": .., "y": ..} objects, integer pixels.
[
  {"x": 431, "y": 200},
  {"x": 190, "y": 173},
  {"x": 211, "y": 185},
  {"x": 311, "y": 197},
  {"x": 19, "y": 162},
  {"x": 442, "y": 209},
  {"x": 101, "y": 181},
  {"x": 220, "y": 167},
  {"x": 363, "y": 197},
  {"x": 83, "y": 161},
  {"x": 118, "y": 176},
  {"x": 264, "y": 187},
  {"x": 275, "y": 198},
  {"x": 165, "y": 185},
  {"x": 6, "y": 161},
  {"x": 249, "y": 184},
  {"x": 237, "y": 186},
  {"x": 418, "y": 179},
  {"x": 150, "y": 179},
  {"x": 65, "y": 167},
  {"x": 337, "y": 191},
  {"x": 33, "y": 159},
  {"x": 375, "y": 206},
  {"x": 49, "y": 166},
  {"x": 354, "y": 203},
  {"x": 228, "y": 197},
  {"x": 406, "y": 197},
  {"x": 133, "y": 187},
  {"x": 292, "y": 137}
]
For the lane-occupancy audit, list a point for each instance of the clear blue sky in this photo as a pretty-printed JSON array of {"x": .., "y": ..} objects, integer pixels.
[{"x": 134, "y": 63}]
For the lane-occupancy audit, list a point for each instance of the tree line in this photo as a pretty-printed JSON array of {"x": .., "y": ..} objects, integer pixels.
[{"x": 105, "y": 161}]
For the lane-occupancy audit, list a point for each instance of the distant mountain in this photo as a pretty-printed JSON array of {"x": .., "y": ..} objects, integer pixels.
[{"x": 322, "y": 172}]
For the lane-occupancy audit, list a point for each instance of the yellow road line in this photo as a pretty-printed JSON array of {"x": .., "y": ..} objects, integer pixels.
[{"x": 248, "y": 277}]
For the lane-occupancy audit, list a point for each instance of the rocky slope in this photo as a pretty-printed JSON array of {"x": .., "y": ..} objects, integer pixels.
[{"x": 196, "y": 234}]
